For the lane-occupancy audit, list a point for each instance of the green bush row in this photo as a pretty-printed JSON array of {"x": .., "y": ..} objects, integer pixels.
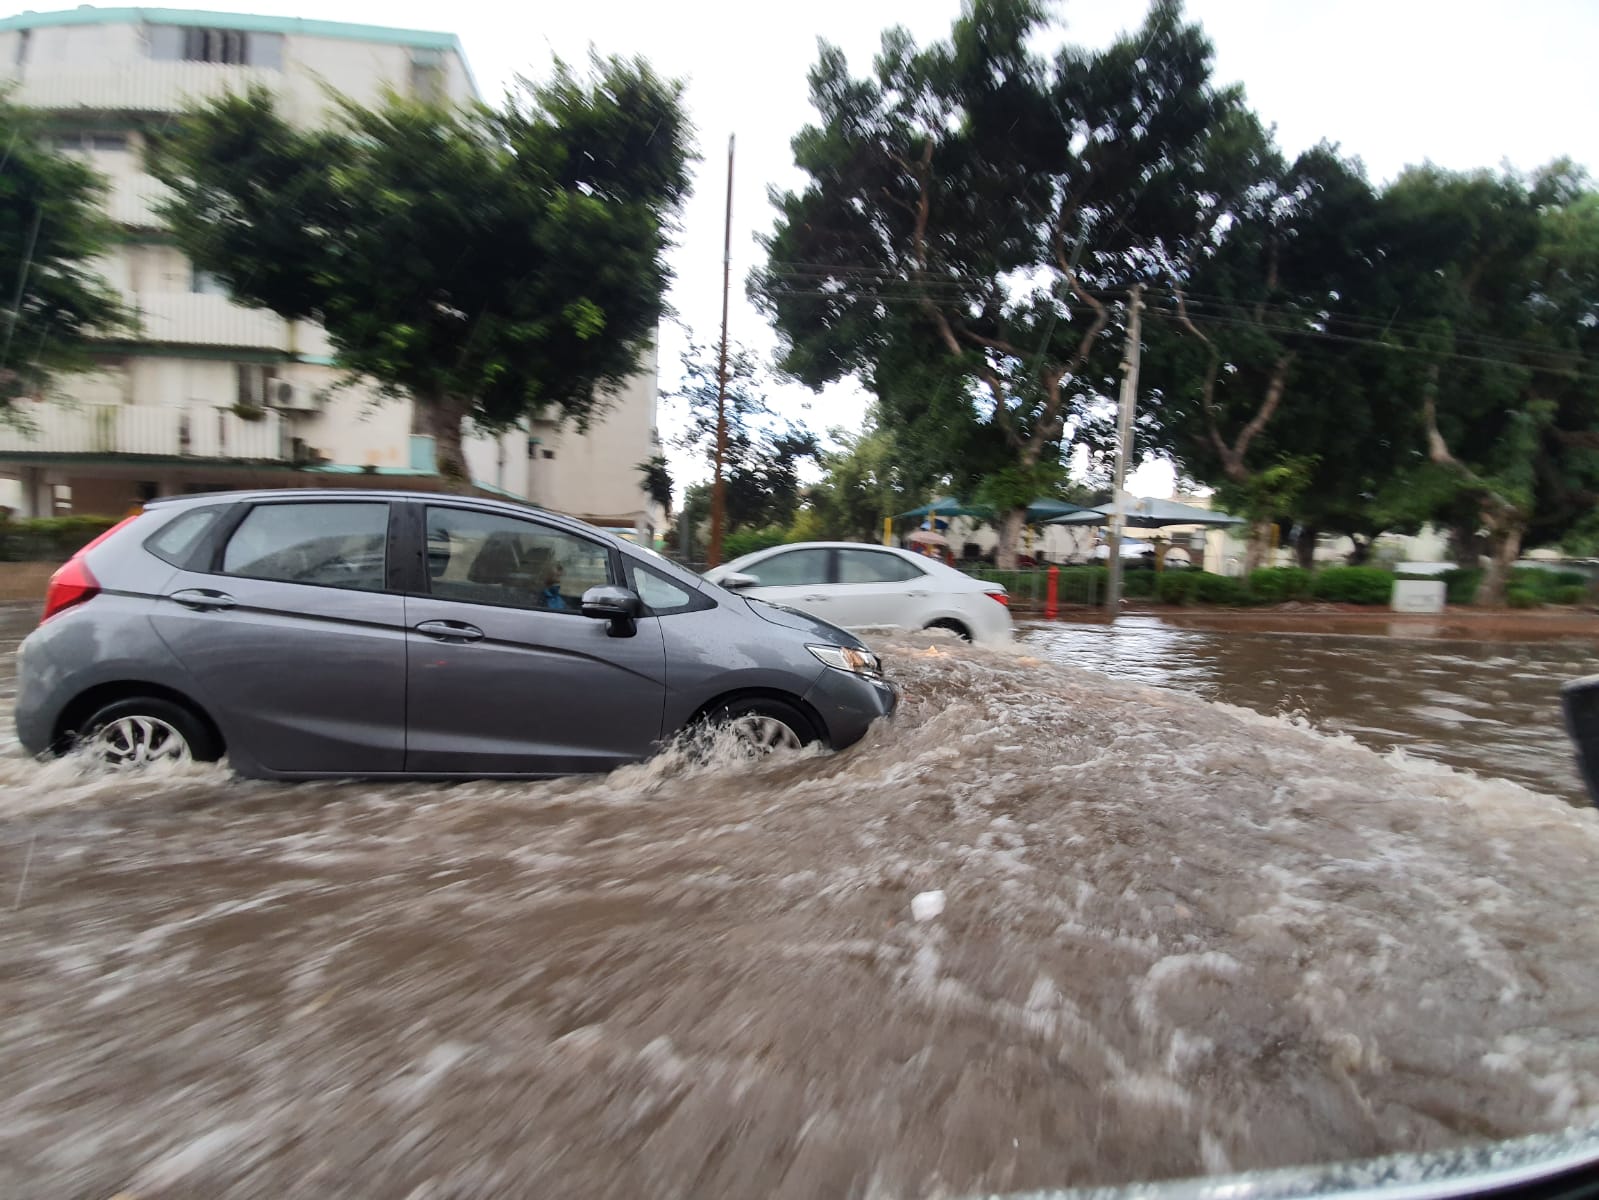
[{"x": 44, "y": 539}]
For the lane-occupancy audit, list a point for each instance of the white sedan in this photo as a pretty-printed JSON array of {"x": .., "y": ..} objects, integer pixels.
[{"x": 856, "y": 585}]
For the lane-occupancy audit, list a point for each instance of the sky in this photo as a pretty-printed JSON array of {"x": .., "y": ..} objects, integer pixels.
[{"x": 1462, "y": 83}]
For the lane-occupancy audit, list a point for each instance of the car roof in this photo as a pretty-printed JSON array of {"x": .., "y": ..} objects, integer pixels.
[
  {"x": 255, "y": 495},
  {"x": 827, "y": 546}
]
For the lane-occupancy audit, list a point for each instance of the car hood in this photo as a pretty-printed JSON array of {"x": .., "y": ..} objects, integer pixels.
[{"x": 792, "y": 618}]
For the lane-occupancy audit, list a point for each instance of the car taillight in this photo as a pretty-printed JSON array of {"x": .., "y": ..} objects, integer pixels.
[
  {"x": 71, "y": 585},
  {"x": 73, "y": 582},
  {"x": 1000, "y": 596}
]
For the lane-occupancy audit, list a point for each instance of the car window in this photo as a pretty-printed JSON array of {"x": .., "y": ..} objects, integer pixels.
[
  {"x": 875, "y": 566},
  {"x": 488, "y": 558},
  {"x": 177, "y": 539},
  {"x": 661, "y": 594},
  {"x": 792, "y": 568},
  {"x": 332, "y": 544}
]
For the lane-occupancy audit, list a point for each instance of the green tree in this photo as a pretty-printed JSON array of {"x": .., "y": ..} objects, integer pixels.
[
  {"x": 52, "y": 228},
  {"x": 658, "y": 481},
  {"x": 489, "y": 264},
  {"x": 763, "y": 454},
  {"x": 864, "y": 480},
  {"x": 1493, "y": 357},
  {"x": 973, "y": 208},
  {"x": 1261, "y": 392}
]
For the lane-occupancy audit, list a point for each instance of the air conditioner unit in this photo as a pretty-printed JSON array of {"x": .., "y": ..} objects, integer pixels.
[{"x": 288, "y": 396}]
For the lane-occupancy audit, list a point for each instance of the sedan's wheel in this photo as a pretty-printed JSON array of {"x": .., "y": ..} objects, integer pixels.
[
  {"x": 954, "y": 627},
  {"x": 759, "y": 726},
  {"x": 138, "y": 732}
]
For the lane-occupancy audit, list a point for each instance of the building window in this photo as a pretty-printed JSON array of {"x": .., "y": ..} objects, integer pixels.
[
  {"x": 549, "y": 454},
  {"x": 22, "y": 46},
  {"x": 203, "y": 283},
  {"x": 214, "y": 45},
  {"x": 427, "y": 76},
  {"x": 83, "y": 141},
  {"x": 255, "y": 381}
]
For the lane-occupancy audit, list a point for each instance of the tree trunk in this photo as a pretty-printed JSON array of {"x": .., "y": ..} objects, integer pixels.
[
  {"x": 1465, "y": 544},
  {"x": 444, "y": 417},
  {"x": 1361, "y": 554},
  {"x": 1305, "y": 547},
  {"x": 1504, "y": 548},
  {"x": 1259, "y": 549},
  {"x": 1010, "y": 536}
]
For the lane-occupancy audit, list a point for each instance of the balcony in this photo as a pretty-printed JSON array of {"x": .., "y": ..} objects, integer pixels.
[
  {"x": 133, "y": 87},
  {"x": 187, "y": 319},
  {"x": 147, "y": 430}
]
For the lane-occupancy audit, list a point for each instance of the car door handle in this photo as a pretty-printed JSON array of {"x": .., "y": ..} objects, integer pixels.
[
  {"x": 450, "y": 631},
  {"x": 813, "y": 599},
  {"x": 917, "y": 595},
  {"x": 203, "y": 599}
]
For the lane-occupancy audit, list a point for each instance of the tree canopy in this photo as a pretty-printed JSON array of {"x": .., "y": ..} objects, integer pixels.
[
  {"x": 491, "y": 264},
  {"x": 52, "y": 228},
  {"x": 972, "y": 211}
]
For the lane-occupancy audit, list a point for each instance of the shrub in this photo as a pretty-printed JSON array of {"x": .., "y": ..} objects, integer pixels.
[
  {"x": 1521, "y": 597},
  {"x": 1353, "y": 585},
  {"x": 1219, "y": 589},
  {"x": 1177, "y": 587},
  {"x": 747, "y": 541},
  {"x": 1273, "y": 585},
  {"x": 46, "y": 539},
  {"x": 1138, "y": 584},
  {"x": 1461, "y": 584},
  {"x": 1570, "y": 594},
  {"x": 1544, "y": 584}
]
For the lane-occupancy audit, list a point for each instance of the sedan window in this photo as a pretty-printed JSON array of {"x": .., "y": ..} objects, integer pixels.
[
  {"x": 487, "y": 558},
  {"x": 875, "y": 566},
  {"x": 792, "y": 568},
  {"x": 333, "y": 544}
]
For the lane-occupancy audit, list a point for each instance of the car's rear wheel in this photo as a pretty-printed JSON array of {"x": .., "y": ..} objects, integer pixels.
[
  {"x": 954, "y": 627},
  {"x": 760, "y": 725},
  {"x": 141, "y": 730}
]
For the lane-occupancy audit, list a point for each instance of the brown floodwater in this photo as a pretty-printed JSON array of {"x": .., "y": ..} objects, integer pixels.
[
  {"x": 1179, "y": 938},
  {"x": 1485, "y": 704}
]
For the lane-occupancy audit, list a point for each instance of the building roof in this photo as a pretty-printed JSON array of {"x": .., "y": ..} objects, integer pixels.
[{"x": 87, "y": 14}]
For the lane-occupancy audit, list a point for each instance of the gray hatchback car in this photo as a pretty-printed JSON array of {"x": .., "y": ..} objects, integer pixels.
[{"x": 337, "y": 633}]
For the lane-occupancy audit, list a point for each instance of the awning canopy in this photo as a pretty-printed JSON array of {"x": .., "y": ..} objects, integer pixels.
[
  {"x": 1149, "y": 513},
  {"x": 1039, "y": 511}
]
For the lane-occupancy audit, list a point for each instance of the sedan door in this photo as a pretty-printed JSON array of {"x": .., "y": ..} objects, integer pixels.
[
  {"x": 505, "y": 675},
  {"x": 879, "y": 587},
  {"x": 798, "y": 578},
  {"x": 294, "y": 639}
]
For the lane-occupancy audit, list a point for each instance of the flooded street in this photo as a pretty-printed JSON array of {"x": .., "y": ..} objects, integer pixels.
[
  {"x": 1179, "y": 938},
  {"x": 1487, "y": 706}
]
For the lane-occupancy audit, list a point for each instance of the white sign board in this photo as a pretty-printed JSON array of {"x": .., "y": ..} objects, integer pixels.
[{"x": 1418, "y": 595}]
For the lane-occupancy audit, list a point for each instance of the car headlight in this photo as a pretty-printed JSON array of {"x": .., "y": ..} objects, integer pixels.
[{"x": 849, "y": 658}]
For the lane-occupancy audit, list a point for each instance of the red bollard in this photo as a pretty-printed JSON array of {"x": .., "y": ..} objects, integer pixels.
[{"x": 1051, "y": 603}]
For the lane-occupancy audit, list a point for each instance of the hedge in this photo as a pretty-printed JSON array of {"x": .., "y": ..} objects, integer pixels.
[
  {"x": 1570, "y": 594},
  {"x": 1273, "y": 585},
  {"x": 49, "y": 539},
  {"x": 1520, "y": 597},
  {"x": 1353, "y": 585}
]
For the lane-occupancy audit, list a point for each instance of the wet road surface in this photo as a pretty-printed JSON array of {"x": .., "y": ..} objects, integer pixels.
[
  {"x": 1179, "y": 938},
  {"x": 1485, "y": 705}
]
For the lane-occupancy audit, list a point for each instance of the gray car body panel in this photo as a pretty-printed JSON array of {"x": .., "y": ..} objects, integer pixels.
[{"x": 305, "y": 681}]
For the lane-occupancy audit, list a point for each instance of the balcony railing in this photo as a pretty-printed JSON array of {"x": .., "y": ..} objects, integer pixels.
[
  {"x": 147, "y": 430},
  {"x": 189, "y": 319},
  {"x": 144, "y": 86}
]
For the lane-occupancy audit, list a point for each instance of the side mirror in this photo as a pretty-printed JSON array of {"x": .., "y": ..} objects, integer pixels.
[
  {"x": 618, "y": 605},
  {"x": 738, "y": 580},
  {"x": 1580, "y": 698}
]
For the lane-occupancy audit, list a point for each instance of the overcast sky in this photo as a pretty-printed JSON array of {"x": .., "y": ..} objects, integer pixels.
[{"x": 1463, "y": 83}]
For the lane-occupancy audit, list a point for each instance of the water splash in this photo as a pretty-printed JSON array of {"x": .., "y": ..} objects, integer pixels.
[{"x": 1179, "y": 937}]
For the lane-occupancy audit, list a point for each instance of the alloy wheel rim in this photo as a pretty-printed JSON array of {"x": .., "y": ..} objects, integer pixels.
[
  {"x": 763, "y": 734},
  {"x": 134, "y": 741}
]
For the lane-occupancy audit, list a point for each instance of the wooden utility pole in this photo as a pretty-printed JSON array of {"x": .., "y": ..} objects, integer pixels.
[
  {"x": 1124, "y": 444},
  {"x": 718, "y": 481}
]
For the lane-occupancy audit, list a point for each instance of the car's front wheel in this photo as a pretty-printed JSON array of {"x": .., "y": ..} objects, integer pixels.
[
  {"x": 760, "y": 725},
  {"x": 141, "y": 730}
]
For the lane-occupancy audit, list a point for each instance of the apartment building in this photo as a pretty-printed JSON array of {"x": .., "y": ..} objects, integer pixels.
[{"x": 213, "y": 395}]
